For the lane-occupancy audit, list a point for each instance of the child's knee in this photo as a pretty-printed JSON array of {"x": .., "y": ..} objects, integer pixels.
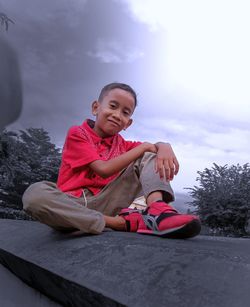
[
  {"x": 148, "y": 157},
  {"x": 33, "y": 197}
]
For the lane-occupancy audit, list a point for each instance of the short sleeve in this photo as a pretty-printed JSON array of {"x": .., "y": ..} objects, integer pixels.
[{"x": 78, "y": 151}]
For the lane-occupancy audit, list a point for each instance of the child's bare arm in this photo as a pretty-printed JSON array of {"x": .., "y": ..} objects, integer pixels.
[
  {"x": 166, "y": 162},
  {"x": 112, "y": 166}
]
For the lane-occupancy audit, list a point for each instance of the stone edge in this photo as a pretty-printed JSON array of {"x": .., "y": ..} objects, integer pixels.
[{"x": 57, "y": 288}]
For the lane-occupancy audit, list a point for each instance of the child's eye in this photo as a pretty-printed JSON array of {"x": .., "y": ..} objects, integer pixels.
[{"x": 112, "y": 106}]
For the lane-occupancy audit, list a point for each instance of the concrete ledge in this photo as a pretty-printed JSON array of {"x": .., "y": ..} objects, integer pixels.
[{"x": 127, "y": 269}]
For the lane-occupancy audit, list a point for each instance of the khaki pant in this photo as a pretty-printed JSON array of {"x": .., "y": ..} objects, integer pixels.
[{"x": 45, "y": 202}]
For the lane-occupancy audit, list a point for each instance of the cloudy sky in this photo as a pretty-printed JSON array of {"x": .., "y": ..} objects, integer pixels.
[{"x": 187, "y": 60}]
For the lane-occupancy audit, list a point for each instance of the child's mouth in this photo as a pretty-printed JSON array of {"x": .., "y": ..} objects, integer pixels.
[{"x": 114, "y": 123}]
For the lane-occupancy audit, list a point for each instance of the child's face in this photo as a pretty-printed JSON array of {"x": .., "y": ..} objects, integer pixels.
[{"x": 113, "y": 113}]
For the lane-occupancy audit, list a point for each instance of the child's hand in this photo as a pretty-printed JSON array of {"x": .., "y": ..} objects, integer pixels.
[
  {"x": 149, "y": 147},
  {"x": 166, "y": 163}
]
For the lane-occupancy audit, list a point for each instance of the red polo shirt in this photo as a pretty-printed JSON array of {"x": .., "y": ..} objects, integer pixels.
[{"x": 83, "y": 146}]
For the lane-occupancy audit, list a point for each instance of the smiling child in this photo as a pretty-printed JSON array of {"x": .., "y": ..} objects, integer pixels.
[{"x": 102, "y": 173}]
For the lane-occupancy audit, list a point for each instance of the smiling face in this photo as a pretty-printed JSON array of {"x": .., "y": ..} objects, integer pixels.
[{"x": 113, "y": 113}]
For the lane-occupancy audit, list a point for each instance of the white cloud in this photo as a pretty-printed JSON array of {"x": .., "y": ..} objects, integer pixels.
[
  {"x": 114, "y": 52},
  {"x": 204, "y": 51},
  {"x": 194, "y": 157},
  {"x": 235, "y": 140},
  {"x": 152, "y": 13},
  {"x": 224, "y": 142}
]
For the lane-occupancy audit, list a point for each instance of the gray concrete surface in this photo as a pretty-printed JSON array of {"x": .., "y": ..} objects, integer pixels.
[{"x": 116, "y": 268}]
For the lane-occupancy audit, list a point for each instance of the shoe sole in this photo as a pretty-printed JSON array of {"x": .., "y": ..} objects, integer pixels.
[{"x": 186, "y": 231}]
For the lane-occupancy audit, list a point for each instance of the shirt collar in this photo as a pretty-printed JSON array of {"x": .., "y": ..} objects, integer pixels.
[{"x": 88, "y": 124}]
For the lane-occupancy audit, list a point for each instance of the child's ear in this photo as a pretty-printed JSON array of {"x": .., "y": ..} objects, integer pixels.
[
  {"x": 129, "y": 123},
  {"x": 95, "y": 106}
]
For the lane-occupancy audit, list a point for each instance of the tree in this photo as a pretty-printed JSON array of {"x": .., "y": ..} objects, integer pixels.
[
  {"x": 223, "y": 198},
  {"x": 27, "y": 157}
]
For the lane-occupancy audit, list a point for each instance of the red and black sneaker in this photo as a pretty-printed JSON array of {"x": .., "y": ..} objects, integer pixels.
[
  {"x": 162, "y": 220},
  {"x": 132, "y": 218}
]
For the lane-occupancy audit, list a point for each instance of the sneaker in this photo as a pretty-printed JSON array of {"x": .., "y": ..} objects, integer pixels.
[
  {"x": 132, "y": 218},
  {"x": 162, "y": 220}
]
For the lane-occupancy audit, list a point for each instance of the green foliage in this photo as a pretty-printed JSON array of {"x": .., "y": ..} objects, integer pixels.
[
  {"x": 26, "y": 157},
  {"x": 223, "y": 198},
  {"x": 5, "y": 20}
]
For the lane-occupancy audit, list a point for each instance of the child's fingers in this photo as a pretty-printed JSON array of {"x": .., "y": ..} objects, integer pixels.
[
  {"x": 177, "y": 166},
  {"x": 156, "y": 165},
  {"x": 171, "y": 169},
  {"x": 159, "y": 163},
  {"x": 167, "y": 170}
]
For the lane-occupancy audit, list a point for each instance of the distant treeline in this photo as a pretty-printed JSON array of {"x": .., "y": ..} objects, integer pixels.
[{"x": 25, "y": 157}]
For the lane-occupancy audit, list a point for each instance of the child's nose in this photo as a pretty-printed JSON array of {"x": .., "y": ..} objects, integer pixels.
[{"x": 117, "y": 114}]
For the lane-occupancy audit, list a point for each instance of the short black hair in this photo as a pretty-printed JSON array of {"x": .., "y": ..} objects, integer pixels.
[{"x": 114, "y": 85}]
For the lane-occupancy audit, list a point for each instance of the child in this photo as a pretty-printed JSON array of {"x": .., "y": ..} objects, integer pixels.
[{"x": 101, "y": 174}]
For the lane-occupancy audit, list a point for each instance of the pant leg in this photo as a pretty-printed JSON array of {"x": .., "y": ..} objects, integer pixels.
[
  {"x": 151, "y": 181},
  {"x": 49, "y": 205},
  {"x": 138, "y": 179}
]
